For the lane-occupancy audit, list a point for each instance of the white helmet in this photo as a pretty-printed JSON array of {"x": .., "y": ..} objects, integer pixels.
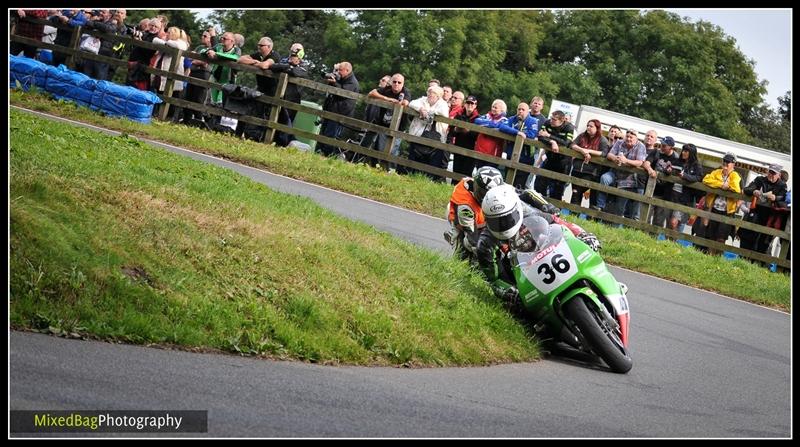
[{"x": 503, "y": 211}]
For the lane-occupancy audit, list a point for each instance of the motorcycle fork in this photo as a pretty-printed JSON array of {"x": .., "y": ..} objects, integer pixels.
[{"x": 569, "y": 332}]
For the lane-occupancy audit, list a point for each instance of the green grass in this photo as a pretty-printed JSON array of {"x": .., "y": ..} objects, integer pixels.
[
  {"x": 627, "y": 248},
  {"x": 114, "y": 239}
]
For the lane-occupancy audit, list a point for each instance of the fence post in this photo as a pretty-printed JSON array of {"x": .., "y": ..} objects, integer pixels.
[
  {"x": 169, "y": 87},
  {"x": 397, "y": 115},
  {"x": 519, "y": 141},
  {"x": 784, "y": 253},
  {"x": 283, "y": 81},
  {"x": 74, "y": 41},
  {"x": 648, "y": 192}
]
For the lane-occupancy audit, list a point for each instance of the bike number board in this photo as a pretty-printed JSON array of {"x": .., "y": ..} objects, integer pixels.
[{"x": 548, "y": 269}]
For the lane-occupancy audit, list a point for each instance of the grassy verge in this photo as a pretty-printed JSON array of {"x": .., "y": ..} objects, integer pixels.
[
  {"x": 627, "y": 248},
  {"x": 118, "y": 240}
]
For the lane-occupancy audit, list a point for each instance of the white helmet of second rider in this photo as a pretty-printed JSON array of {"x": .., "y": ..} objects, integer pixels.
[{"x": 503, "y": 211}]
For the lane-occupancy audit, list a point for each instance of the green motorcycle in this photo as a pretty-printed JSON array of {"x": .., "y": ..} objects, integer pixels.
[{"x": 570, "y": 293}]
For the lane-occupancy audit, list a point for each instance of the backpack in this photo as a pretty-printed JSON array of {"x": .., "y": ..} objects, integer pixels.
[{"x": 430, "y": 132}]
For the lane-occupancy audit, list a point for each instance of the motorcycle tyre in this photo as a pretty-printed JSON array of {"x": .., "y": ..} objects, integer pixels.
[{"x": 578, "y": 311}]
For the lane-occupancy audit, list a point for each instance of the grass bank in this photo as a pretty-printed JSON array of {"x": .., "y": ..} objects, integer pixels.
[{"x": 114, "y": 239}]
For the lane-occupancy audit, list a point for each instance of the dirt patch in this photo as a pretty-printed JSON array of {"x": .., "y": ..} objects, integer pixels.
[{"x": 138, "y": 274}]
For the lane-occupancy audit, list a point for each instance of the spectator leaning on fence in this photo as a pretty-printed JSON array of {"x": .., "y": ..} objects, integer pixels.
[
  {"x": 372, "y": 114},
  {"x": 486, "y": 144},
  {"x": 687, "y": 168},
  {"x": 395, "y": 93},
  {"x": 589, "y": 143},
  {"x": 629, "y": 152},
  {"x": 27, "y": 29},
  {"x": 105, "y": 24},
  {"x": 140, "y": 57},
  {"x": 200, "y": 70},
  {"x": 176, "y": 38},
  {"x": 428, "y": 106},
  {"x": 554, "y": 133},
  {"x": 70, "y": 17},
  {"x": 660, "y": 161},
  {"x": 726, "y": 179},
  {"x": 226, "y": 50},
  {"x": 463, "y": 137},
  {"x": 767, "y": 208},
  {"x": 345, "y": 79},
  {"x": 295, "y": 66},
  {"x": 524, "y": 125}
]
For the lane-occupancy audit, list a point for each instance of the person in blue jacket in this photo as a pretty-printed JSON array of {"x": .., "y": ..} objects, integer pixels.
[{"x": 525, "y": 125}]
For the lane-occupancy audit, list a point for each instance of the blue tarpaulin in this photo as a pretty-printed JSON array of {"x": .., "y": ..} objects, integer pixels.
[
  {"x": 27, "y": 71},
  {"x": 63, "y": 83},
  {"x": 117, "y": 100}
]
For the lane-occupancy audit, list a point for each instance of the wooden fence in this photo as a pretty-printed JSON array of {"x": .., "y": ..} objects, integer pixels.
[{"x": 393, "y": 132}]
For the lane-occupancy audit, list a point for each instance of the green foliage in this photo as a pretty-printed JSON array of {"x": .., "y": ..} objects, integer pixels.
[
  {"x": 785, "y": 109},
  {"x": 770, "y": 129}
]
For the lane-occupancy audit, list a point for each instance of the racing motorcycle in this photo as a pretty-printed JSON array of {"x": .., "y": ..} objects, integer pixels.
[{"x": 570, "y": 294}]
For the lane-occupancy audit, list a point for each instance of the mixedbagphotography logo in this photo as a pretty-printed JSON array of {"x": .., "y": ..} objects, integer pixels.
[{"x": 112, "y": 421}]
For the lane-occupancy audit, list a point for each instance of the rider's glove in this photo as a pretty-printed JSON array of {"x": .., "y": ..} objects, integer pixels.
[
  {"x": 590, "y": 240},
  {"x": 511, "y": 295},
  {"x": 550, "y": 208},
  {"x": 450, "y": 235}
]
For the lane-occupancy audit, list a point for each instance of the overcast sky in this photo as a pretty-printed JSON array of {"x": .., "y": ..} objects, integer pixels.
[{"x": 763, "y": 35}]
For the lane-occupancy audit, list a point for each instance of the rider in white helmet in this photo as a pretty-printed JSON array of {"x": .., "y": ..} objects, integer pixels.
[
  {"x": 504, "y": 213},
  {"x": 464, "y": 209}
]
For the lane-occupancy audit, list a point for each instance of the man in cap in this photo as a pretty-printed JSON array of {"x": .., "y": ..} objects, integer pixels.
[
  {"x": 463, "y": 137},
  {"x": 660, "y": 161},
  {"x": 766, "y": 208}
]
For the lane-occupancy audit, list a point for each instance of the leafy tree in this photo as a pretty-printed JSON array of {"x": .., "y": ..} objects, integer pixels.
[
  {"x": 658, "y": 67},
  {"x": 769, "y": 130},
  {"x": 785, "y": 109}
]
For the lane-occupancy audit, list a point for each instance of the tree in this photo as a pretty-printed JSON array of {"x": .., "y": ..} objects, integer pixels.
[
  {"x": 769, "y": 130},
  {"x": 785, "y": 109},
  {"x": 659, "y": 67}
]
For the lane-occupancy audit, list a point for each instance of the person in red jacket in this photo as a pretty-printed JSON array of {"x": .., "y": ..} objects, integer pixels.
[{"x": 27, "y": 29}]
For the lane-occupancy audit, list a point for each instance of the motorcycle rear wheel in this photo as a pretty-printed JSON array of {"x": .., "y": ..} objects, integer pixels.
[{"x": 604, "y": 341}]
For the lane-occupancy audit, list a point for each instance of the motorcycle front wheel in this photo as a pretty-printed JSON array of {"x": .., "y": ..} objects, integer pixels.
[{"x": 605, "y": 341}]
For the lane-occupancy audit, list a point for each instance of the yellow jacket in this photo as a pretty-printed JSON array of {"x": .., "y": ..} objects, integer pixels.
[{"x": 714, "y": 180}]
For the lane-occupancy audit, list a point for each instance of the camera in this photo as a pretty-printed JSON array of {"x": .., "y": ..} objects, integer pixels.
[{"x": 334, "y": 76}]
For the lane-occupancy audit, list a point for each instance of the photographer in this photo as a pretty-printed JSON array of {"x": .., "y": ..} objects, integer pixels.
[
  {"x": 73, "y": 18},
  {"x": 660, "y": 161},
  {"x": 343, "y": 78}
]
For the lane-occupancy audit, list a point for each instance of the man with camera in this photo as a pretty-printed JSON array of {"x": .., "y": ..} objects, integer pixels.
[{"x": 343, "y": 78}]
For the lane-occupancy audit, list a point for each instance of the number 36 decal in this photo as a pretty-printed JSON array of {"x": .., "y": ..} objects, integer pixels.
[{"x": 559, "y": 264}]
